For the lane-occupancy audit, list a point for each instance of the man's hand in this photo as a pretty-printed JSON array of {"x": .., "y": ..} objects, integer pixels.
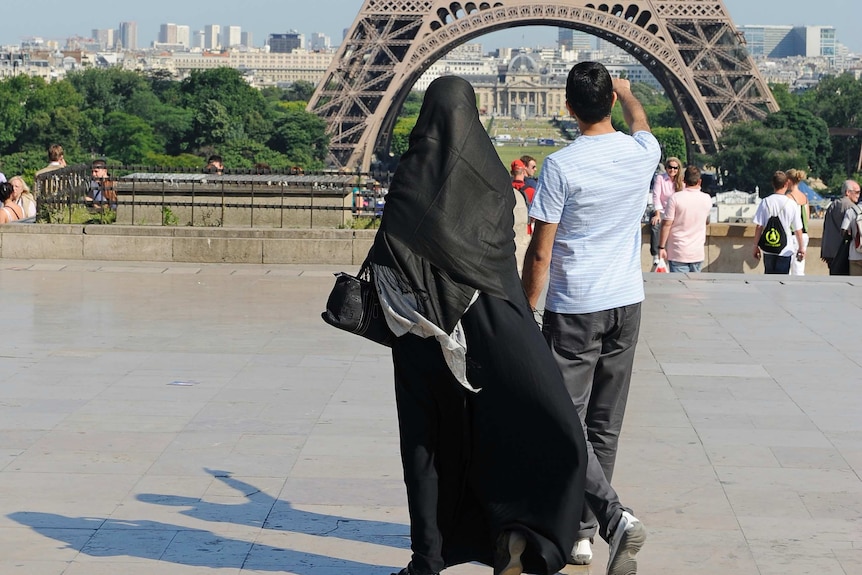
[
  {"x": 655, "y": 219},
  {"x": 622, "y": 85},
  {"x": 756, "y": 252},
  {"x": 662, "y": 253}
]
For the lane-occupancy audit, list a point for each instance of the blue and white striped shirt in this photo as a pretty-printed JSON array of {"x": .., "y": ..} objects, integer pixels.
[{"x": 595, "y": 189}]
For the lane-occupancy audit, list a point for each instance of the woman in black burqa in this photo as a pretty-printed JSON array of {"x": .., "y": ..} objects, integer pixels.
[{"x": 491, "y": 445}]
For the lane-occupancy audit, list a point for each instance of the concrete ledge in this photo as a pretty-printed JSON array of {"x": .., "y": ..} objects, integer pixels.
[{"x": 728, "y": 249}]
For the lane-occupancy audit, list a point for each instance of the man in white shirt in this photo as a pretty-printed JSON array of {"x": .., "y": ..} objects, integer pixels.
[
  {"x": 683, "y": 229},
  {"x": 587, "y": 211},
  {"x": 790, "y": 217},
  {"x": 849, "y": 228}
]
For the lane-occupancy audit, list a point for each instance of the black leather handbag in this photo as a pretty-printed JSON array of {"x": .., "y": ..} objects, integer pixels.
[{"x": 353, "y": 306}]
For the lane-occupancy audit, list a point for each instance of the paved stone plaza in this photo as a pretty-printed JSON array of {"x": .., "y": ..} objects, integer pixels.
[{"x": 197, "y": 419}]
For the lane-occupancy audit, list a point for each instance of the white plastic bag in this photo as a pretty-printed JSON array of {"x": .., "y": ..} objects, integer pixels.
[{"x": 661, "y": 267}]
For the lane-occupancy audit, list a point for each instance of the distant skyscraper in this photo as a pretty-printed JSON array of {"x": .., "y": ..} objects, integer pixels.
[
  {"x": 128, "y": 33},
  {"x": 168, "y": 34},
  {"x": 231, "y": 36},
  {"x": 574, "y": 39},
  {"x": 285, "y": 43},
  {"x": 564, "y": 38},
  {"x": 211, "y": 36},
  {"x": 184, "y": 36},
  {"x": 320, "y": 41},
  {"x": 200, "y": 41},
  {"x": 104, "y": 37},
  {"x": 247, "y": 39}
]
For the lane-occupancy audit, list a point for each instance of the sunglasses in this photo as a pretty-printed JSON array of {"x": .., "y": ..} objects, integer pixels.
[{"x": 673, "y": 167}]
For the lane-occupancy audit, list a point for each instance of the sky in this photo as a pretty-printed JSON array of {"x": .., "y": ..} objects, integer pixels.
[{"x": 56, "y": 19}]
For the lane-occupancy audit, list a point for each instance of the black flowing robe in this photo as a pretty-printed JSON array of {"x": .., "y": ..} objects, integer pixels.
[{"x": 512, "y": 455}]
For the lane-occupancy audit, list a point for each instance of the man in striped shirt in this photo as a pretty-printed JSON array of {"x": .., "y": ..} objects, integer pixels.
[{"x": 587, "y": 212}]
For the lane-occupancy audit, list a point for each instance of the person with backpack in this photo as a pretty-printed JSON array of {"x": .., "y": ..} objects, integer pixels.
[
  {"x": 778, "y": 218},
  {"x": 851, "y": 228}
]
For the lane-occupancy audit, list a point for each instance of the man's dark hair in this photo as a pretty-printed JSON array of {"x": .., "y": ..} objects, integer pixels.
[
  {"x": 590, "y": 92},
  {"x": 527, "y": 159},
  {"x": 214, "y": 158},
  {"x": 691, "y": 176},
  {"x": 99, "y": 164},
  {"x": 779, "y": 180}
]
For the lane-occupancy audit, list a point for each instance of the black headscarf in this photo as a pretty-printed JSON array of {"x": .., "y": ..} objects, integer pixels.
[{"x": 448, "y": 222}]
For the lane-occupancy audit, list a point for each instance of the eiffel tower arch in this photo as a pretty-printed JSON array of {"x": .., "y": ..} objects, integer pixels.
[{"x": 690, "y": 46}]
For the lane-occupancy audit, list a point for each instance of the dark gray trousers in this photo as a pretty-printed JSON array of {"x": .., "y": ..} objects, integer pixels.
[{"x": 595, "y": 352}]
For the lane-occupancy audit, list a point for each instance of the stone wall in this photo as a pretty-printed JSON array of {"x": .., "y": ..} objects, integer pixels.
[{"x": 728, "y": 249}]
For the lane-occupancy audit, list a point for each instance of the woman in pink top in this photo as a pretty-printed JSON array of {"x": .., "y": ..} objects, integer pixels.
[{"x": 664, "y": 186}]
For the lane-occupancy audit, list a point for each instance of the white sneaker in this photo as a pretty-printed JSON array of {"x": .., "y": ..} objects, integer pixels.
[
  {"x": 626, "y": 540},
  {"x": 582, "y": 554}
]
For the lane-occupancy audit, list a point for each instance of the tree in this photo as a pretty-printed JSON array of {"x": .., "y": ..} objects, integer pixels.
[
  {"x": 811, "y": 134},
  {"x": 224, "y": 107},
  {"x": 129, "y": 139},
  {"x": 750, "y": 153},
  {"x": 300, "y": 136},
  {"x": 837, "y": 100},
  {"x": 401, "y": 135},
  {"x": 783, "y": 97},
  {"x": 672, "y": 142}
]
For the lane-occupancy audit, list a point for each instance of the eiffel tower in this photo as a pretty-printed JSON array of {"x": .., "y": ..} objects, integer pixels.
[{"x": 690, "y": 46}]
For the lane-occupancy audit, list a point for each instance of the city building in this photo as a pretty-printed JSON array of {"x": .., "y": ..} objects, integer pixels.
[
  {"x": 285, "y": 43},
  {"x": 184, "y": 36},
  {"x": 128, "y": 35},
  {"x": 104, "y": 37},
  {"x": 320, "y": 41},
  {"x": 211, "y": 37},
  {"x": 247, "y": 39},
  {"x": 776, "y": 42},
  {"x": 168, "y": 34},
  {"x": 570, "y": 39},
  {"x": 231, "y": 36}
]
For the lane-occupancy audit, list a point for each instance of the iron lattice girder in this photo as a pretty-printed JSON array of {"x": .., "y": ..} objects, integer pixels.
[{"x": 690, "y": 46}]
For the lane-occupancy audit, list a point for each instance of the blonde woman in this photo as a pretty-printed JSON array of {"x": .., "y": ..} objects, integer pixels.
[
  {"x": 664, "y": 186},
  {"x": 794, "y": 177},
  {"x": 23, "y": 197}
]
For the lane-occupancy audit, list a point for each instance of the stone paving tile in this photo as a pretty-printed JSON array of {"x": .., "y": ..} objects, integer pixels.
[{"x": 201, "y": 418}]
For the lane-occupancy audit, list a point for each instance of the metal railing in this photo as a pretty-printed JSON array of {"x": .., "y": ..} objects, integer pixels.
[{"x": 146, "y": 195}]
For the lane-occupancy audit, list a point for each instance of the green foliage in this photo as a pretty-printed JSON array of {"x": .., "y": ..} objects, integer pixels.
[
  {"x": 783, "y": 97},
  {"x": 362, "y": 223},
  {"x": 129, "y": 139},
  {"x": 412, "y": 104},
  {"x": 751, "y": 152},
  {"x": 151, "y": 118},
  {"x": 168, "y": 217},
  {"x": 401, "y": 135},
  {"x": 76, "y": 214},
  {"x": 837, "y": 100},
  {"x": 811, "y": 134},
  {"x": 185, "y": 161},
  {"x": 672, "y": 141},
  {"x": 658, "y": 107},
  {"x": 301, "y": 137}
]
